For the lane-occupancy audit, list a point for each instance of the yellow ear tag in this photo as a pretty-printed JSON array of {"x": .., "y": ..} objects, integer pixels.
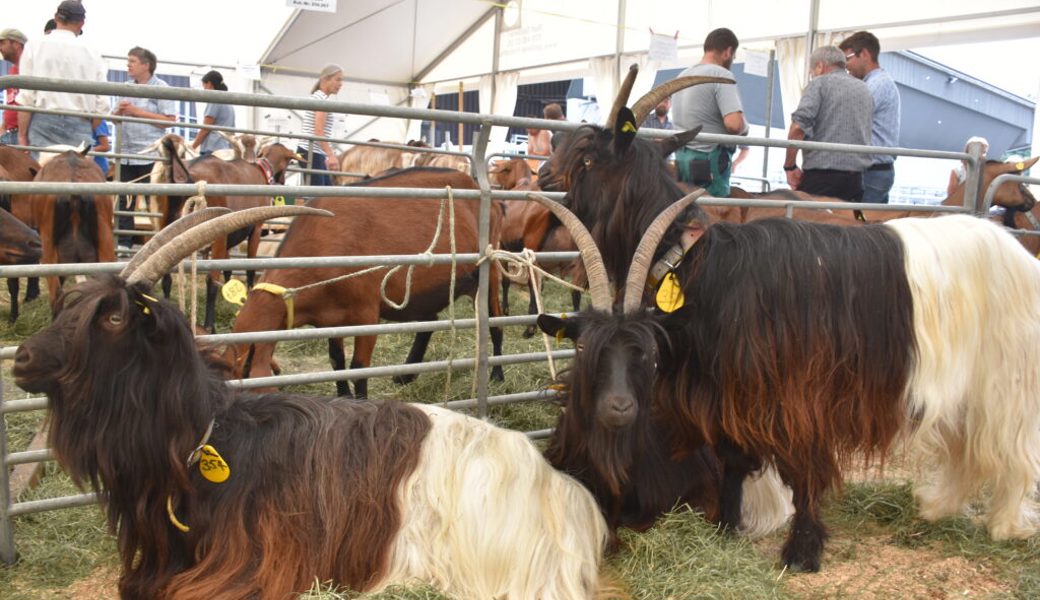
[
  {"x": 669, "y": 294},
  {"x": 212, "y": 465},
  {"x": 628, "y": 127},
  {"x": 279, "y": 201},
  {"x": 1020, "y": 166},
  {"x": 234, "y": 291}
]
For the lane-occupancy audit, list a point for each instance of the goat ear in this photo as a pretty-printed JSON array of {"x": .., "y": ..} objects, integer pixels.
[
  {"x": 624, "y": 130},
  {"x": 678, "y": 140},
  {"x": 559, "y": 328}
]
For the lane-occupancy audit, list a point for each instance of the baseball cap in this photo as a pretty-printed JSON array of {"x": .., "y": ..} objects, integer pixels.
[
  {"x": 72, "y": 11},
  {"x": 13, "y": 34}
]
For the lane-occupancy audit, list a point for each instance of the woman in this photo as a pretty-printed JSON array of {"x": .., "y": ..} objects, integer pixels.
[
  {"x": 216, "y": 114},
  {"x": 319, "y": 123}
]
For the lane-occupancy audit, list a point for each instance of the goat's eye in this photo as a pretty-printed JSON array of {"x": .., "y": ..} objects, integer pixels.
[
  {"x": 579, "y": 347},
  {"x": 588, "y": 162},
  {"x": 115, "y": 319}
]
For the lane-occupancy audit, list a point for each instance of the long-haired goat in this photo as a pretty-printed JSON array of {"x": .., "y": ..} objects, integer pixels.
[
  {"x": 794, "y": 350},
  {"x": 74, "y": 228},
  {"x": 368, "y": 226},
  {"x": 373, "y": 161},
  {"x": 269, "y": 169},
  {"x": 214, "y": 493},
  {"x": 19, "y": 166}
]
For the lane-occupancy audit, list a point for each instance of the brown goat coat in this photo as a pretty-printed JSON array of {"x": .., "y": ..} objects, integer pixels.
[
  {"x": 73, "y": 228},
  {"x": 380, "y": 226}
]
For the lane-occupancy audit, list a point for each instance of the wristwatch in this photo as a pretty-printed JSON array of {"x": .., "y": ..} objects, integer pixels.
[{"x": 790, "y": 168}]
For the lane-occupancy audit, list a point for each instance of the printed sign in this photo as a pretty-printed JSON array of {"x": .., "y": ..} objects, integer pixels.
[
  {"x": 756, "y": 63},
  {"x": 320, "y": 5},
  {"x": 664, "y": 48}
]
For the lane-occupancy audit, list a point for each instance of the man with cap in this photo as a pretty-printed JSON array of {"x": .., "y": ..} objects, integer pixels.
[
  {"x": 12, "y": 42},
  {"x": 61, "y": 55}
]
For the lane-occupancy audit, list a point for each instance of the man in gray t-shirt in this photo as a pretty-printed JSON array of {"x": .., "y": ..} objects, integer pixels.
[{"x": 716, "y": 108}]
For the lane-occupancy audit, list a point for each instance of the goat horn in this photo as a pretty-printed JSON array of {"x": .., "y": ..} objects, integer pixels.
[
  {"x": 622, "y": 96},
  {"x": 595, "y": 271},
  {"x": 156, "y": 265},
  {"x": 644, "y": 255},
  {"x": 644, "y": 105},
  {"x": 170, "y": 232}
]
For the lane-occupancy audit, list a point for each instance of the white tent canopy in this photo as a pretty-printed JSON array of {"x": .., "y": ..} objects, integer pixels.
[{"x": 389, "y": 47}]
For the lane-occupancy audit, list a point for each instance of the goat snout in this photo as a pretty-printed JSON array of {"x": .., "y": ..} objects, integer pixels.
[{"x": 618, "y": 410}]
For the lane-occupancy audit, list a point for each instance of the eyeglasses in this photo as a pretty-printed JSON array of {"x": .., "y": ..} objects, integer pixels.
[{"x": 850, "y": 56}]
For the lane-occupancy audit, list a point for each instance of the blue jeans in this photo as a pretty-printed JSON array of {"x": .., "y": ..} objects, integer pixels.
[
  {"x": 318, "y": 162},
  {"x": 10, "y": 138},
  {"x": 48, "y": 130},
  {"x": 876, "y": 185}
]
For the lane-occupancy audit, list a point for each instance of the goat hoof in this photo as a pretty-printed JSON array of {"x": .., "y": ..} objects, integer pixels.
[
  {"x": 530, "y": 331},
  {"x": 403, "y": 379},
  {"x": 802, "y": 559},
  {"x": 496, "y": 374}
]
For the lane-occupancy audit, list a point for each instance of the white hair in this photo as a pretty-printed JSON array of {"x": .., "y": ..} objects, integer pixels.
[
  {"x": 974, "y": 392},
  {"x": 485, "y": 516}
]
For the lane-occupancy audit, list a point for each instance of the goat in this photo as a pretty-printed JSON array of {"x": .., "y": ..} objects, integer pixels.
[
  {"x": 74, "y": 228},
  {"x": 269, "y": 169},
  {"x": 373, "y": 161},
  {"x": 19, "y": 245},
  {"x": 377, "y": 226},
  {"x": 281, "y": 490},
  {"x": 444, "y": 161},
  {"x": 792, "y": 350},
  {"x": 19, "y": 166}
]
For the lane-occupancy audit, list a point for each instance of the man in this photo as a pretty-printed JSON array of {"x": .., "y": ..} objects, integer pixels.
[
  {"x": 554, "y": 112},
  {"x": 61, "y": 55},
  {"x": 136, "y": 137},
  {"x": 836, "y": 107},
  {"x": 659, "y": 118},
  {"x": 716, "y": 108},
  {"x": 12, "y": 42},
  {"x": 861, "y": 56}
]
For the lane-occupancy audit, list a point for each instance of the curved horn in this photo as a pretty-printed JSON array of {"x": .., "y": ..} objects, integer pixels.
[
  {"x": 164, "y": 258},
  {"x": 599, "y": 284},
  {"x": 168, "y": 233},
  {"x": 644, "y": 105},
  {"x": 622, "y": 95},
  {"x": 644, "y": 255}
]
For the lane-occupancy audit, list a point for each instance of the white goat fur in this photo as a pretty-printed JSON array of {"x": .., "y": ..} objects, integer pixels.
[
  {"x": 974, "y": 397},
  {"x": 480, "y": 497}
]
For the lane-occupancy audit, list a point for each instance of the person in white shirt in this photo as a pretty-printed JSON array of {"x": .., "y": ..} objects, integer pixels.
[{"x": 61, "y": 55}]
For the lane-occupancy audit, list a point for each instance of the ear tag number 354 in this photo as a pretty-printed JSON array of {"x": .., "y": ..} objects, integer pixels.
[{"x": 669, "y": 295}]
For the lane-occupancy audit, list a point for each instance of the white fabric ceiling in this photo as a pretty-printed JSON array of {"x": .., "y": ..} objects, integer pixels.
[{"x": 396, "y": 42}]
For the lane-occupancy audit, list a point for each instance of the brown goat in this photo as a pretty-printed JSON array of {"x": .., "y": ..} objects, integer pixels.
[
  {"x": 368, "y": 226},
  {"x": 19, "y": 245},
  {"x": 373, "y": 161},
  {"x": 74, "y": 228},
  {"x": 269, "y": 169},
  {"x": 19, "y": 166}
]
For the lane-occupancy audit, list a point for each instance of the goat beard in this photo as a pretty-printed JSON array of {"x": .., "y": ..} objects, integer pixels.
[{"x": 612, "y": 452}]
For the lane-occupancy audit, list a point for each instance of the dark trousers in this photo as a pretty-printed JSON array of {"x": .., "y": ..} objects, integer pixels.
[
  {"x": 318, "y": 162},
  {"x": 126, "y": 203},
  {"x": 847, "y": 185}
]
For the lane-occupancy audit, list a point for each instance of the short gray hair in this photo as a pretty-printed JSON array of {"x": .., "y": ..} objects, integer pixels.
[{"x": 828, "y": 55}]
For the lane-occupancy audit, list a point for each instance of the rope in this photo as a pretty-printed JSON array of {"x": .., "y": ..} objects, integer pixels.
[
  {"x": 287, "y": 294},
  {"x": 192, "y": 204},
  {"x": 523, "y": 265}
]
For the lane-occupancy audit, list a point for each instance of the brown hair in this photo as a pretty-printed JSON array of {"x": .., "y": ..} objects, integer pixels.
[
  {"x": 146, "y": 56},
  {"x": 862, "y": 40},
  {"x": 552, "y": 111},
  {"x": 720, "y": 39}
]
